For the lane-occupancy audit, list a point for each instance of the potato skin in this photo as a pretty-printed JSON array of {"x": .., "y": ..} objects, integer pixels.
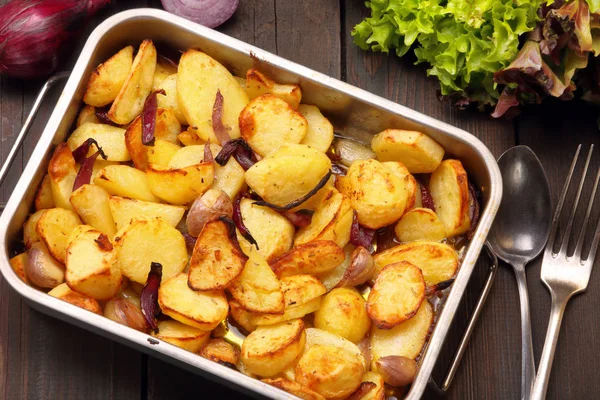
[
  {"x": 343, "y": 312},
  {"x": 221, "y": 352},
  {"x": 312, "y": 258},
  {"x": 449, "y": 187}
]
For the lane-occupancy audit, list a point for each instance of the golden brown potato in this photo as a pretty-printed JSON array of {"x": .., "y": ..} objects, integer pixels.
[
  {"x": 161, "y": 153},
  {"x": 378, "y": 195},
  {"x": 92, "y": 268},
  {"x": 54, "y": 227},
  {"x": 43, "y": 197},
  {"x": 410, "y": 182},
  {"x": 163, "y": 70},
  {"x": 294, "y": 388},
  {"x": 312, "y": 258},
  {"x": 420, "y": 224},
  {"x": 438, "y": 261},
  {"x": 406, "y": 339},
  {"x": 270, "y": 349},
  {"x": 189, "y": 138},
  {"x": 419, "y": 152},
  {"x": 125, "y": 181},
  {"x": 202, "y": 310},
  {"x": 316, "y": 336},
  {"x": 64, "y": 293},
  {"x": 170, "y": 98},
  {"x": 397, "y": 294},
  {"x": 87, "y": 114},
  {"x": 241, "y": 316},
  {"x": 217, "y": 260},
  {"x": 290, "y": 313},
  {"x": 41, "y": 269},
  {"x": 449, "y": 187},
  {"x": 257, "y": 288},
  {"x": 199, "y": 76},
  {"x": 229, "y": 177},
  {"x": 146, "y": 240},
  {"x": 132, "y": 95},
  {"x": 18, "y": 264},
  {"x": 258, "y": 84},
  {"x": 180, "y": 335},
  {"x": 268, "y": 123},
  {"x": 110, "y": 138},
  {"x": 333, "y": 277},
  {"x": 180, "y": 186},
  {"x": 222, "y": 352},
  {"x": 372, "y": 387},
  {"x": 123, "y": 210},
  {"x": 108, "y": 78},
  {"x": 190, "y": 155},
  {"x": 62, "y": 172},
  {"x": 90, "y": 202},
  {"x": 332, "y": 372},
  {"x": 319, "y": 133},
  {"x": 30, "y": 235},
  {"x": 331, "y": 221},
  {"x": 273, "y": 232},
  {"x": 343, "y": 312}
]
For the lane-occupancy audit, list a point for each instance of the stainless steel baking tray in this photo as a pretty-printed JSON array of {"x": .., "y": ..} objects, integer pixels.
[{"x": 353, "y": 111}]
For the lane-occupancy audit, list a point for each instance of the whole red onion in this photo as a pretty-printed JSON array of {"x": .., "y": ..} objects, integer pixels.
[{"x": 33, "y": 33}]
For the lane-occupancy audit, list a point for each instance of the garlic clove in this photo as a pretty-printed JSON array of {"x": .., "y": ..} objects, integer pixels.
[
  {"x": 397, "y": 370},
  {"x": 43, "y": 270},
  {"x": 125, "y": 313},
  {"x": 207, "y": 208},
  {"x": 360, "y": 269}
]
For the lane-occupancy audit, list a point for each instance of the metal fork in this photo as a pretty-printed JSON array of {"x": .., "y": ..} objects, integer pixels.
[{"x": 565, "y": 275}]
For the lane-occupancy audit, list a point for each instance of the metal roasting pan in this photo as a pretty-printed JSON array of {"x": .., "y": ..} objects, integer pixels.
[{"x": 354, "y": 112}]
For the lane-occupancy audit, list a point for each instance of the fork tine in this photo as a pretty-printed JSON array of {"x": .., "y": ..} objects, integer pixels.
[
  {"x": 565, "y": 240},
  {"x": 584, "y": 227}
]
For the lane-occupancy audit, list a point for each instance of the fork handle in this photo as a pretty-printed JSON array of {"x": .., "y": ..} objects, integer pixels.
[
  {"x": 540, "y": 385},
  {"x": 527, "y": 362}
]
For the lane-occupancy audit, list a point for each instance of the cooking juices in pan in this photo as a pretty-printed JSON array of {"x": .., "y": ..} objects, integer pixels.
[{"x": 222, "y": 215}]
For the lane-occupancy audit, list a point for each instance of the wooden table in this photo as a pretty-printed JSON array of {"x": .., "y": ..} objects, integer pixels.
[{"x": 41, "y": 357}]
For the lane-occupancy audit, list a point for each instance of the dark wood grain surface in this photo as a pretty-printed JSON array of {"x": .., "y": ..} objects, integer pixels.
[{"x": 43, "y": 358}]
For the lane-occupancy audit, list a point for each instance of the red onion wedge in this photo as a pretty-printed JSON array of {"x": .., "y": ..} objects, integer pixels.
[
  {"x": 149, "y": 296},
  {"x": 231, "y": 227},
  {"x": 102, "y": 115},
  {"x": 217, "y": 120},
  {"x": 299, "y": 201},
  {"x": 359, "y": 235},
  {"x": 426, "y": 198},
  {"x": 190, "y": 242},
  {"x": 210, "y": 13},
  {"x": 81, "y": 152},
  {"x": 240, "y": 150},
  {"x": 239, "y": 222},
  {"x": 84, "y": 175},
  {"x": 300, "y": 218},
  {"x": 149, "y": 117},
  {"x": 438, "y": 287}
]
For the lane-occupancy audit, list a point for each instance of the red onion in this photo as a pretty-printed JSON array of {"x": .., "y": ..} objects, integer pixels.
[
  {"x": 102, "y": 115},
  {"x": 239, "y": 222},
  {"x": 208, "y": 155},
  {"x": 84, "y": 175},
  {"x": 300, "y": 218},
  {"x": 426, "y": 199},
  {"x": 210, "y": 13},
  {"x": 149, "y": 296},
  {"x": 438, "y": 287},
  {"x": 34, "y": 33},
  {"x": 149, "y": 117},
  {"x": 217, "y": 120},
  {"x": 359, "y": 235},
  {"x": 81, "y": 152},
  {"x": 240, "y": 150},
  {"x": 190, "y": 242}
]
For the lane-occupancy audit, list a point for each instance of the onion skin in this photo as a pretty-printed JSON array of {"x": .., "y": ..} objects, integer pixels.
[
  {"x": 34, "y": 34},
  {"x": 125, "y": 313},
  {"x": 210, "y": 13},
  {"x": 359, "y": 235},
  {"x": 41, "y": 269},
  {"x": 149, "y": 117},
  {"x": 149, "y": 296},
  {"x": 397, "y": 370},
  {"x": 207, "y": 208}
]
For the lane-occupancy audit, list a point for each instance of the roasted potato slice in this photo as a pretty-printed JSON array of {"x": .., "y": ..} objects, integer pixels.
[
  {"x": 30, "y": 235},
  {"x": 181, "y": 335},
  {"x": 316, "y": 336},
  {"x": 241, "y": 316},
  {"x": 108, "y": 78},
  {"x": 333, "y": 372},
  {"x": 343, "y": 312},
  {"x": 397, "y": 294},
  {"x": 64, "y": 293},
  {"x": 294, "y": 388},
  {"x": 217, "y": 260},
  {"x": 222, "y": 352},
  {"x": 181, "y": 185},
  {"x": 449, "y": 187},
  {"x": 420, "y": 153},
  {"x": 189, "y": 138},
  {"x": 92, "y": 268},
  {"x": 62, "y": 172},
  {"x": 146, "y": 240},
  {"x": 438, "y": 261},
  {"x": 87, "y": 114},
  {"x": 110, "y": 138},
  {"x": 199, "y": 76},
  {"x": 410, "y": 182},
  {"x": 333, "y": 277},
  {"x": 229, "y": 177},
  {"x": 420, "y": 224},
  {"x": 125, "y": 181},
  {"x": 170, "y": 99},
  {"x": 202, "y": 310},
  {"x": 258, "y": 84},
  {"x": 331, "y": 221},
  {"x": 90, "y": 202},
  {"x": 18, "y": 264},
  {"x": 406, "y": 339},
  {"x": 273, "y": 232},
  {"x": 319, "y": 133},
  {"x": 123, "y": 210},
  {"x": 54, "y": 227},
  {"x": 163, "y": 70},
  {"x": 129, "y": 103},
  {"x": 43, "y": 196},
  {"x": 270, "y": 349},
  {"x": 378, "y": 195},
  {"x": 313, "y": 258},
  {"x": 161, "y": 153},
  {"x": 372, "y": 387},
  {"x": 268, "y": 122},
  {"x": 290, "y": 313},
  {"x": 257, "y": 288}
]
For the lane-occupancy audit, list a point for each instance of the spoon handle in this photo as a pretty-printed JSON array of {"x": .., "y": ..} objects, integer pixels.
[{"x": 527, "y": 360}]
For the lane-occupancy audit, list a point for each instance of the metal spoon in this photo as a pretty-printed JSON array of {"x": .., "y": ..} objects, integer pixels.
[{"x": 520, "y": 232}]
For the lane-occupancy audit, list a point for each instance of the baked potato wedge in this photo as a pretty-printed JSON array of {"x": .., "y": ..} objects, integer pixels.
[
  {"x": 241, "y": 317},
  {"x": 110, "y": 138},
  {"x": 129, "y": 102},
  {"x": 87, "y": 114},
  {"x": 90, "y": 202},
  {"x": 270, "y": 349},
  {"x": 294, "y": 388},
  {"x": 258, "y": 84},
  {"x": 19, "y": 263},
  {"x": 343, "y": 313},
  {"x": 54, "y": 227},
  {"x": 189, "y": 138},
  {"x": 332, "y": 278},
  {"x": 372, "y": 387},
  {"x": 420, "y": 224},
  {"x": 123, "y": 210},
  {"x": 411, "y": 184},
  {"x": 180, "y": 186},
  {"x": 217, "y": 260},
  {"x": 163, "y": 70},
  {"x": 171, "y": 99},
  {"x": 419, "y": 152},
  {"x": 125, "y": 181},
  {"x": 62, "y": 171},
  {"x": 108, "y": 78},
  {"x": 312, "y": 258},
  {"x": 290, "y": 313},
  {"x": 316, "y": 336},
  {"x": 181, "y": 335},
  {"x": 222, "y": 352},
  {"x": 161, "y": 153},
  {"x": 319, "y": 133},
  {"x": 449, "y": 187},
  {"x": 64, "y": 293},
  {"x": 43, "y": 196},
  {"x": 30, "y": 235},
  {"x": 202, "y": 310}
]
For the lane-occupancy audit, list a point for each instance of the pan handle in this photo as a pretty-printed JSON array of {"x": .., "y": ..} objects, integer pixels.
[
  {"x": 27, "y": 125},
  {"x": 441, "y": 390}
]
